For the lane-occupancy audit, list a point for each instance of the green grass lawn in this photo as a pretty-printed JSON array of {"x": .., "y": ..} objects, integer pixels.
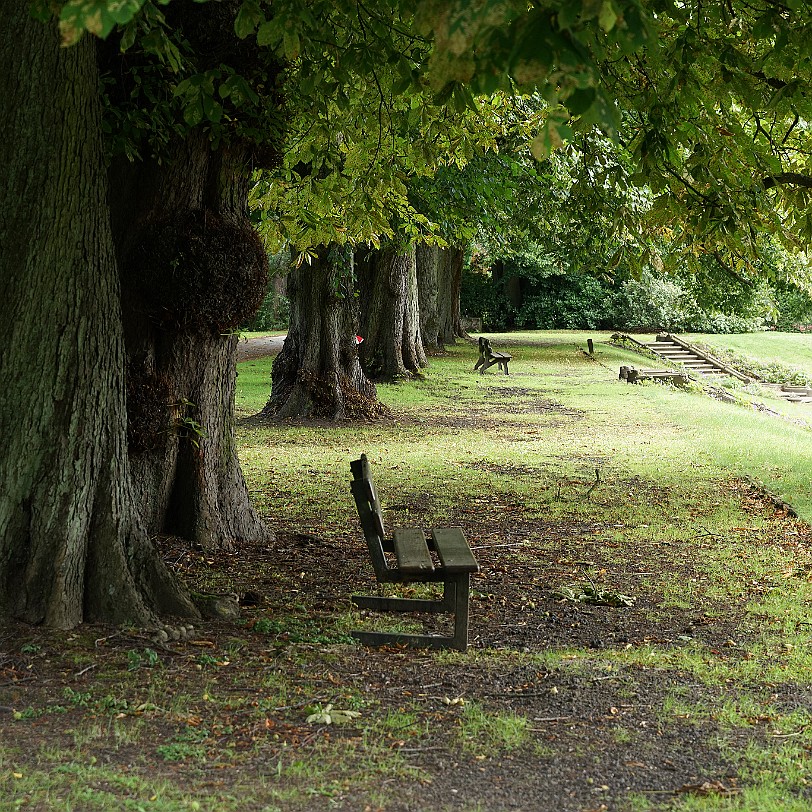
[
  {"x": 786, "y": 349},
  {"x": 655, "y": 431}
]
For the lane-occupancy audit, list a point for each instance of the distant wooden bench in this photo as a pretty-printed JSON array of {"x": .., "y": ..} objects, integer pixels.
[
  {"x": 488, "y": 357},
  {"x": 444, "y": 557}
]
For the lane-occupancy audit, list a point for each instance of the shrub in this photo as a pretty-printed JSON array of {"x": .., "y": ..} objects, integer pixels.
[
  {"x": 485, "y": 298},
  {"x": 654, "y": 303},
  {"x": 794, "y": 308},
  {"x": 568, "y": 302},
  {"x": 273, "y": 313}
]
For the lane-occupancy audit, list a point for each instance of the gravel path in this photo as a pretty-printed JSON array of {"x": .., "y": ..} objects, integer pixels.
[{"x": 259, "y": 347}]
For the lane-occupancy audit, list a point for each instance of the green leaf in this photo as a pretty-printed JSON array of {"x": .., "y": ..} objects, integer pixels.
[
  {"x": 98, "y": 17},
  {"x": 581, "y": 100},
  {"x": 569, "y": 13},
  {"x": 248, "y": 18},
  {"x": 291, "y": 46},
  {"x": 128, "y": 38},
  {"x": 551, "y": 138},
  {"x": 212, "y": 109},
  {"x": 268, "y": 34},
  {"x": 193, "y": 112},
  {"x": 608, "y": 16}
]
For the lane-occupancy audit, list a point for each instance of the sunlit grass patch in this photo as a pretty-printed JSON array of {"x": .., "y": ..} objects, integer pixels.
[{"x": 487, "y": 733}]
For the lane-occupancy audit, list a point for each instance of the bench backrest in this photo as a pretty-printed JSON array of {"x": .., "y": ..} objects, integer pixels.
[{"x": 369, "y": 512}]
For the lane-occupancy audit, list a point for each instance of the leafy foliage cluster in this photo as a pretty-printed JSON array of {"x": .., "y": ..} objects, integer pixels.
[{"x": 527, "y": 296}]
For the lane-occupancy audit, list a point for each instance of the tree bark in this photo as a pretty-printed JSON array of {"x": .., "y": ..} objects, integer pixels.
[
  {"x": 318, "y": 372},
  {"x": 390, "y": 315},
  {"x": 448, "y": 296},
  {"x": 193, "y": 270},
  {"x": 428, "y": 281},
  {"x": 72, "y": 546}
]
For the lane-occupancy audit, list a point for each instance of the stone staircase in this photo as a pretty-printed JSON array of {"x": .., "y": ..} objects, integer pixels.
[
  {"x": 675, "y": 350},
  {"x": 794, "y": 394}
]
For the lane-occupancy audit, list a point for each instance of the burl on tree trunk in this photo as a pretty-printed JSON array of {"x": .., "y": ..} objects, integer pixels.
[
  {"x": 390, "y": 314},
  {"x": 193, "y": 270},
  {"x": 317, "y": 373},
  {"x": 72, "y": 546}
]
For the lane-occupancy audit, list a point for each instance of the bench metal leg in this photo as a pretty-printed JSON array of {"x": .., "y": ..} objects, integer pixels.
[
  {"x": 462, "y": 590},
  {"x": 377, "y": 604},
  {"x": 456, "y": 592}
]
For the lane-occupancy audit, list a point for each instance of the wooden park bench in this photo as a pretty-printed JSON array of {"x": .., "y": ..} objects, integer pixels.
[
  {"x": 488, "y": 357},
  {"x": 444, "y": 557}
]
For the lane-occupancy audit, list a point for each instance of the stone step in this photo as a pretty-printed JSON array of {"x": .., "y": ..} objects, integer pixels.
[{"x": 690, "y": 360}]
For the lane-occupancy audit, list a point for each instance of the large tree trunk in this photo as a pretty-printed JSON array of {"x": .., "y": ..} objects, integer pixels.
[
  {"x": 390, "y": 315},
  {"x": 428, "y": 281},
  {"x": 71, "y": 543},
  {"x": 193, "y": 270},
  {"x": 318, "y": 373},
  {"x": 448, "y": 295}
]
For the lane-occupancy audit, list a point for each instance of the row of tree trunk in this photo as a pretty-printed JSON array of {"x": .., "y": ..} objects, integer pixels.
[{"x": 402, "y": 304}]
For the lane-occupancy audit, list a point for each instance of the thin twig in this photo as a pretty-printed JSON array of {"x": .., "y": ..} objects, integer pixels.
[
  {"x": 17, "y": 681},
  {"x": 103, "y": 640},
  {"x": 594, "y": 484},
  {"x": 417, "y": 749}
]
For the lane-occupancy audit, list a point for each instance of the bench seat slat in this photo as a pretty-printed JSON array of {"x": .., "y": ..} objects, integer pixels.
[
  {"x": 411, "y": 551},
  {"x": 453, "y": 550}
]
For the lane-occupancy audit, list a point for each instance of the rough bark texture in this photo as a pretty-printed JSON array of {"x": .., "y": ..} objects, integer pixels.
[
  {"x": 71, "y": 543},
  {"x": 428, "y": 267},
  {"x": 318, "y": 372},
  {"x": 390, "y": 315},
  {"x": 192, "y": 270},
  {"x": 448, "y": 295}
]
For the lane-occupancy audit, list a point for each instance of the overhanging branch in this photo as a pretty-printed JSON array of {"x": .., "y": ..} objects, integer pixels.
[{"x": 788, "y": 179}]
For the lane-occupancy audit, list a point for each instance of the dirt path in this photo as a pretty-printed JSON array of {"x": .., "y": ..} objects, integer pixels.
[{"x": 254, "y": 348}]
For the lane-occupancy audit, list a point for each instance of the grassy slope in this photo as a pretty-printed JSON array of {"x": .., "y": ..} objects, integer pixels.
[
  {"x": 787, "y": 349},
  {"x": 653, "y": 431}
]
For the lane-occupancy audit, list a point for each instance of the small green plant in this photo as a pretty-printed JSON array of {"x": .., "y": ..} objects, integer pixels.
[
  {"x": 622, "y": 735},
  {"x": 148, "y": 658},
  {"x": 188, "y": 744},
  {"x": 207, "y": 661},
  {"x": 186, "y": 426},
  {"x": 77, "y": 698},
  {"x": 487, "y": 733}
]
